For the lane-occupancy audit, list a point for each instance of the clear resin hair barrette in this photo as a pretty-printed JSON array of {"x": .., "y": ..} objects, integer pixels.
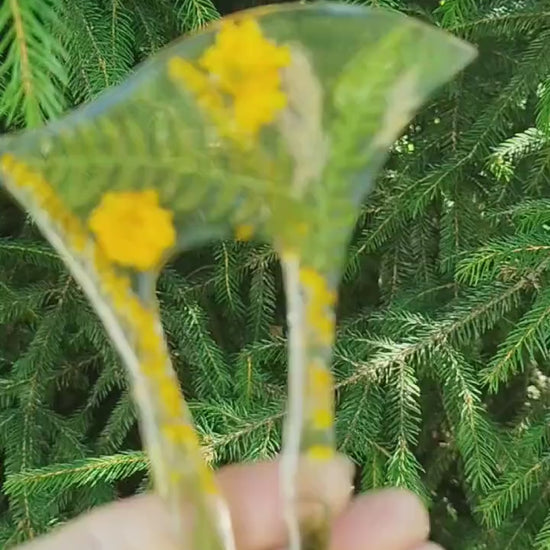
[{"x": 270, "y": 124}]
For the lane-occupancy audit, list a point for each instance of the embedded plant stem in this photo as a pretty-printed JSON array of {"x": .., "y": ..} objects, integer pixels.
[
  {"x": 178, "y": 467},
  {"x": 309, "y": 427},
  {"x": 179, "y": 463},
  {"x": 295, "y": 404},
  {"x": 183, "y": 478}
]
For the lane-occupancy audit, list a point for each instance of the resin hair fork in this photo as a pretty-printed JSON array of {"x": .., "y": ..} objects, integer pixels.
[{"x": 271, "y": 124}]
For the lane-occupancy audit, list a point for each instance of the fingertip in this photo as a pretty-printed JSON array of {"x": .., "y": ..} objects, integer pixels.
[
  {"x": 390, "y": 518},
  {"x": 409, "y": 504},
  {"x": 135, "y": 523}
]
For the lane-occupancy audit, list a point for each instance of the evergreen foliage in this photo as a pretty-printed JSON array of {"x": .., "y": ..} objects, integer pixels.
[{"x": 442, "y": 358}]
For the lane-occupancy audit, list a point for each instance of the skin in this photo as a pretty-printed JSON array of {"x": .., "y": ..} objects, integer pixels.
[{"x": 380, "y": 520}]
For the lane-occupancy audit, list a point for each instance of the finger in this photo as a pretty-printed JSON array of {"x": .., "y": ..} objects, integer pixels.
[
  {"x": 429, "y": 546},
  {"x": 385, "y": 520},
  {"x": 135, "y": 523},
  {"x": 253, "y": 495},
  {"x": 142, "y": 523}
]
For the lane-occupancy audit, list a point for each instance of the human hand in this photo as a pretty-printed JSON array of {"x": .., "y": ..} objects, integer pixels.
[{"x": 381, "y": 520}]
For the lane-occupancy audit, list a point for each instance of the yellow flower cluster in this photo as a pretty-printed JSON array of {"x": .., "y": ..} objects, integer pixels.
[
  {"x": 320, "y": 302},
  {"x": 243, "y": 65},
  {"x": 244, "y": 232},
  {"x": 46, "y": 198},
  {"x": 176, "y": 430},
  {"x": 319, "y": 306},
  {"x": 321, "y": 453},
  {"x": 132, "y": 229},
  {"x": 321, "y": 386}
]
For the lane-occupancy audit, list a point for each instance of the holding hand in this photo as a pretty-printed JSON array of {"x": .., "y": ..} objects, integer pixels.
[{"x": 381, "y": 520}]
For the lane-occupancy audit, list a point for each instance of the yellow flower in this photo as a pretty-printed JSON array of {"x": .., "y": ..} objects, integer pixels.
[
  {"x": 44, "y": 194},
  {"x": 244, "y": 232},
  {"x": 242, "y": 53},
  {"x": 244, "y": 66},
  {"x": 320, "y": 303},
  {"x": 196, "y": 81},
  {"x": 132, "y": 229},
  {"x": 254, "y": 108}
]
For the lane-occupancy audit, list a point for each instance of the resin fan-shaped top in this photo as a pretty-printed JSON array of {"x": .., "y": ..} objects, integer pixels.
[{"x": 270, "y": 124}]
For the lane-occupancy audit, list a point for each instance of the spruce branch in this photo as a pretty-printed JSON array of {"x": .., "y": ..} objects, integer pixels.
[
  {"x": 83, "y": 473},
  {"x": 514, "y": 489},
  {"x": 33, "y": 62},
  {"x": 542, "y": 540},
  {"x": 195, "y": 14},
  {"x": 525, "y": 344},
  {"x": 475, "y": 439}
]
